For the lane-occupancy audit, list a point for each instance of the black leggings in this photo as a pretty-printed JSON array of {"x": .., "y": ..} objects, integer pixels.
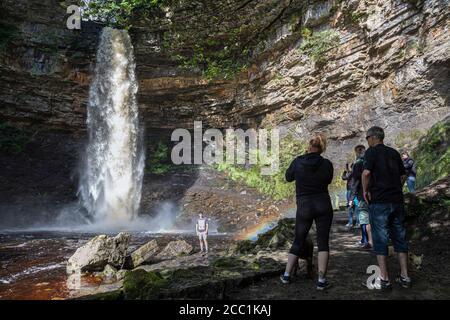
[{"x": 311, "y": 209}]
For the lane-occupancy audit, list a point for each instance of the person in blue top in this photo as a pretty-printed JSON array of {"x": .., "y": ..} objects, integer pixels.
[
  {"x": 410, "y": 169},
  {"x": 351, "y": 210}
]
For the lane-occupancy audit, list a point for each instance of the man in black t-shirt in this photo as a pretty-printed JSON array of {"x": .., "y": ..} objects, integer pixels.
[{"x": 382, "y": 180}]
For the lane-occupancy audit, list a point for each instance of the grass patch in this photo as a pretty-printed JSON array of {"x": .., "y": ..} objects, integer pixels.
[
  {"x": 315, "y": 45},
  {"x": 405, "y": 139},
  {"x": 432, "y": 155}
]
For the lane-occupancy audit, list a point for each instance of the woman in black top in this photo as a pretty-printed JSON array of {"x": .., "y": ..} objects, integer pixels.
[{"x": 312, "y": 174}]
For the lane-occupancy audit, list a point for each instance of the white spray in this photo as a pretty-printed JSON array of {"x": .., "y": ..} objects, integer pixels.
[{"x": 111, "y": 180}]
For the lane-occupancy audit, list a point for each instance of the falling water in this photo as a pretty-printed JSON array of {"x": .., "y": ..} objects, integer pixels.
[{"x": 111, "y": 179}]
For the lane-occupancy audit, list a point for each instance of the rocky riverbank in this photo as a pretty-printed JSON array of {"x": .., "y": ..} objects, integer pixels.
[{"x": 175, "y": 271}]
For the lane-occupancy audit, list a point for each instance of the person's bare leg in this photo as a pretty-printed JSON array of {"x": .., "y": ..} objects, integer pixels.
[
  {"x": 322, "y": 263},
  {"x": 206, "y": 244},
  {"x": 201, "y": 245},
  {"x": 403, "y": 260},
  {"x": 382, "y": 262},
  {"x": 369, "y": 234},
  {"x": 292, "y": 260}
]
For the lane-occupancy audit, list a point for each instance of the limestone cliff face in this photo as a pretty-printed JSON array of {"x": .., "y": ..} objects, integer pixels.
[
  {"x": 389, "y": 67},
  {"x": 45, "y": 68}
]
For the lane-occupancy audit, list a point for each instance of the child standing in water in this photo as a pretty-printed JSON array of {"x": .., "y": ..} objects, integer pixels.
[{"x": 201, "y": 227}]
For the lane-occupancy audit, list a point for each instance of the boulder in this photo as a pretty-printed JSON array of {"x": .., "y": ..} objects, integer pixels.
[
  {"x": 121, "y": 274},
  {"x": 278, "y": 238},
  {"x": 175, "y": 249},
  {"x": 98, "y": 252},
  {"x": 109, "y": 272},
  {"x": 142, "y": 254}
]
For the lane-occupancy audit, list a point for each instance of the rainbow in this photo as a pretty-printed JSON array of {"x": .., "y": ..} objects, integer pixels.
[{"x": 262, "y": 226}]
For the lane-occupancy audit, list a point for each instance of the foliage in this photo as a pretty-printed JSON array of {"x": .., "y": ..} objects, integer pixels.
[
  {"x": 12, "y": 140},
  {"x": 306, "y": 33},
  {"x": 405, "y": 139},
  {"x": 216, "y": 59},
  {"x": 119, "y": 13},
  {"x": 8, "y": 32},
  {"x": 315, "y": 45},
  {"x": 158, "y": 160},
  {"x": 432, "y": 155},
  {"x": 215, "y": 42},
  {"x": 338, "y": 183},
  {"x": 272, "y": 185},
  {"x": 357, "y": 16}
]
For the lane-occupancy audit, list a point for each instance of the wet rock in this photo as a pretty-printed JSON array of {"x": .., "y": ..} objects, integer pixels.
[
  {"x": 214, "y": 281},
  {"x": 174, "y": 249},
  {"x": 99, "y": 252},
  {"x": 429, "y": 200},
  {"x": 140, "y": 284},
  {"x": 121, "y": 274},
  {"x": 142, "y": 254},
  {"x": 279, "y": 237},
  {"x": 109, "y": 272}
]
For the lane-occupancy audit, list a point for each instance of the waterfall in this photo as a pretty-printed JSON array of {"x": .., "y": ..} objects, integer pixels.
[{"x": 111, "y": 177}]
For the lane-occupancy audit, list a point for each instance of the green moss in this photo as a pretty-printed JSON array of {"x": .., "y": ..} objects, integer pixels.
[
  {"x": 306, "y": 33},
  {"x": 432, "y": 155},
  {"x": 316, "y": 45},
  {"x": 279, "y": 237},
  {"x": 142, "y": 285},
  {"x": 159, "y": 160},
  {"x": 12, "y": 140},
  {"x": 245, "y": 246},
  {"x": 406, "y": 138},
  {"x": 228, "y": 263},
  {"x": 357, "y": 16}
]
